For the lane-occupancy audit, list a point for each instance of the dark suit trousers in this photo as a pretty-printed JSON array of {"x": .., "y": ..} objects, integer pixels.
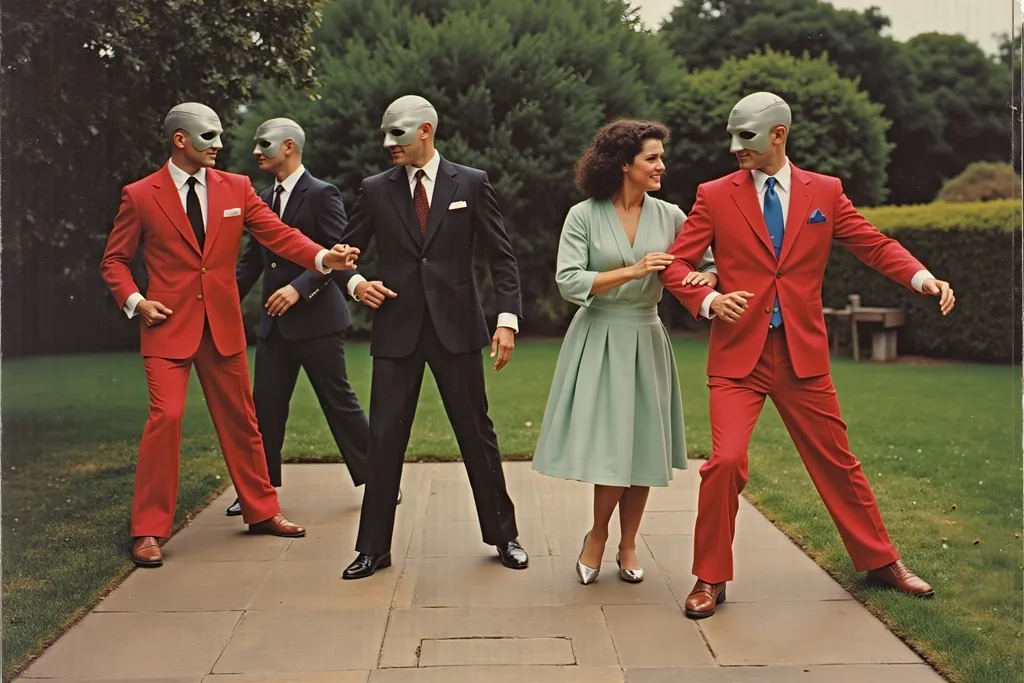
[
  {"x": 393, "y": 400},
  {"x": 323, "y": 358}
]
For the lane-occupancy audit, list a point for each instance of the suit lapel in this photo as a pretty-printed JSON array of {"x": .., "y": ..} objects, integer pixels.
[
  {"x": 215, "y": 205},
  {"x": 401, "y": 197},
  {"x": 295, "y": 201},
  {"x": 800, "y": 196},
  {"x": 745, "y": 196},
  {"x": 445, "y": 185},
  {"x": 167, "y": 197}
]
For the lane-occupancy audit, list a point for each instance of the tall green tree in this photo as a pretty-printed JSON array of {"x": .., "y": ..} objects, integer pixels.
[
  {"x": 520, "y": 87},
  {"x": 902, "y": 78},
  {"x": 86, "y": 86},
  {"x": 836, "y": 129},
  {"x": 968, "y": 92}
]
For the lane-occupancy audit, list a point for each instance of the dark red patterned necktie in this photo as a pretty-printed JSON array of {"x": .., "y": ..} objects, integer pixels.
[{"x": 419, "y": 200}]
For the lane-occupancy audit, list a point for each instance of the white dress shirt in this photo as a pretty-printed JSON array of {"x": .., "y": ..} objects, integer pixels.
[
  {"x": 784, "y": 188},
  {"x": 180, "y": 179},
  {"x": 289, "y": 185},
  {"x": 510, "y": 320}
]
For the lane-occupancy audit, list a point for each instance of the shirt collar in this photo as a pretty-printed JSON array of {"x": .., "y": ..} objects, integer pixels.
[
  {"x": 180, "y": 177},
  {"x": 290, "y": 182},
  {"x": 429, "y": 170},
  {"x": 782, "y": 178}
]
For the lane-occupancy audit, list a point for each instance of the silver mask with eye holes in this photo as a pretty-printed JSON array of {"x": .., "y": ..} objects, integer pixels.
[
  {"x": 275, "y": 132},
  {"x": 200, "y": 122},
  {"x": 752, "y": 119},
  {"x": 403, "y": 118}
]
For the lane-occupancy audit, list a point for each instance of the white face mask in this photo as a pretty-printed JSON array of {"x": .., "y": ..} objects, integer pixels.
[
  {"x": 199, "y": 121},
  {"x": 273, "y": 133},
  {"x": 753, "y": 118},
  {"x": 403, "y": 118}
]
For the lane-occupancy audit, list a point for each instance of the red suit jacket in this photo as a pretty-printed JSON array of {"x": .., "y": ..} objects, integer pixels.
[
  {"x": 727, "y": 216},
  {"x": 197, "y": 286}
]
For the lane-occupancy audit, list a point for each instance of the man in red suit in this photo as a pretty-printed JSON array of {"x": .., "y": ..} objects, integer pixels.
[
  {"x": 189, "y": 219},
  {"x": 771, "y": 226}
]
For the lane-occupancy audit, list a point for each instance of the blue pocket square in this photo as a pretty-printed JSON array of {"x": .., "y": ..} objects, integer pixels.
[{"x": 817, "y": 217}]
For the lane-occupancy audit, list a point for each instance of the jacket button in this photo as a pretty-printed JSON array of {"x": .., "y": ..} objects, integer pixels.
[
  {"x": 424, "y": 259},
  {"x": 204, "y": 270},
  {"x": 767, "y": 310},
  {"x": 200, "y": 297},
  {"x": 778, "y": 275},
  {"x": 273, "y": 264}
]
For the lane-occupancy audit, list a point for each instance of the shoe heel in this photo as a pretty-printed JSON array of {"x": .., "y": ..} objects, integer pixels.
[
  {"x": 721, "y": 598},
  {"x": 385, "y": 563}
]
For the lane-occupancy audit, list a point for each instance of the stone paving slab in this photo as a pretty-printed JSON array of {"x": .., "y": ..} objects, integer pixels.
[{"x": 227, "y": 607}]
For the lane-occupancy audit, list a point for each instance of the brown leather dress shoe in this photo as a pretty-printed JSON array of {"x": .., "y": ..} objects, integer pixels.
[
  {"x": 703, "y": 599},
  {"x": 145, "y": 552},
  {"x": 277, "y": 526},
  {"x": 899, "y": 577}
]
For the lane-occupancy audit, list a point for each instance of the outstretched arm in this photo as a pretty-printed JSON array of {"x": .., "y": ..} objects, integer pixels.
[{"x": 885, "y": 254}]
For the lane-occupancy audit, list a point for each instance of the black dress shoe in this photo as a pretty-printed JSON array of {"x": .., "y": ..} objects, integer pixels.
[
  {"x": 365, "y": 565},
  {"x": 234, "y": 509},
  {"x": 513, "y": 555}
]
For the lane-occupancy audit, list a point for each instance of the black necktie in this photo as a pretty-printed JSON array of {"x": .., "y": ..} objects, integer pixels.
[
  {"x": 195, "y": 213},
  {"x": 276, "y": 206}
]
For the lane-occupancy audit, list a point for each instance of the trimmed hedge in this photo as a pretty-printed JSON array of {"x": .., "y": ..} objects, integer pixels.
[{"x": 976, "y": 247}]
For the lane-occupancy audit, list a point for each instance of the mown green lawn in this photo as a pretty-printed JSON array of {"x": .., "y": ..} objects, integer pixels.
[{"x": 940, "y": 444}]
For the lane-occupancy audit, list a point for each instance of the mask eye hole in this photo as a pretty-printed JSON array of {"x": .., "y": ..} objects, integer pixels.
[
  {"x": 396, "y": 132},
  {"x": 209, "y": 135},
  {"x": 747, "y": 135},
  {"x": 264, "y": 144}
]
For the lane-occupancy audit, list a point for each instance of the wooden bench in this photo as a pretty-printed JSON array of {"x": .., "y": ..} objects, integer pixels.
[{"x": 886, "y": 321}]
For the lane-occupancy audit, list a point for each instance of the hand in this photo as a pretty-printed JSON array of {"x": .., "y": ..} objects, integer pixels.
[
  {"x": 696, "y": 279},
  {"x": 729, "y": 307},
  {"x": 281, "y": 300},
  {"x": 373, "y": 293},
  {"x": 655, "y": 261},
  {"x": 941, "y": 289},
  {"x": 341, "y": 257},
  {"x": 502, "y": 343},
  {"x": 152, "y": 312}
]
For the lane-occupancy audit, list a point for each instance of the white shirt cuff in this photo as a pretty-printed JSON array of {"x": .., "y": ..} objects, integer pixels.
[
  {"x": 319, "y": 261},
  {"x": 353, "y": 283},
  {"x": 917, "y": 282},
  {"x": 705, "y": 306},
  {"x": 510, "y": 320},
  {"x": 131, "y": 303}
]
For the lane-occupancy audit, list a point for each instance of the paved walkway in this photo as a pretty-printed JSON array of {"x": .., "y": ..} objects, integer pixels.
[{"x": 230, "y": 608}]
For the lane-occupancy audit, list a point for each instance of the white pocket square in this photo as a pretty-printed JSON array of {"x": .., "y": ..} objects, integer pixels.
[
  {"x": 228, "y": 213},
  {"x": 456, "y": 205}
]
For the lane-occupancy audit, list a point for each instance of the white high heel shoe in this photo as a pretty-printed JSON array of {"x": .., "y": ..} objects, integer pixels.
[
  {"x": 587, "y": 574},
  {"x": 629, "y": 575}
]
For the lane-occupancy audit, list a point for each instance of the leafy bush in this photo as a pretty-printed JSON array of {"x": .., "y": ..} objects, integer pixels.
[
  {"x": 974, "y": 246},
  {"x": 982, "y": 181}
]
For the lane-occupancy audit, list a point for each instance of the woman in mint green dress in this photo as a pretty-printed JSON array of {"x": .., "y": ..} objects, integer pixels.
[{"x": 614, "y": 417}]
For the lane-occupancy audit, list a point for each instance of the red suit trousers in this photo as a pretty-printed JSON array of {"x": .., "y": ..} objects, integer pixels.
[
  {"x": 226, "y": 386},
  {"x": 810, "y": 411}
]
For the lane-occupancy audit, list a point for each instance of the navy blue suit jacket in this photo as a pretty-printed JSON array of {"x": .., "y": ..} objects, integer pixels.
[{"x": 315, "y": 208}]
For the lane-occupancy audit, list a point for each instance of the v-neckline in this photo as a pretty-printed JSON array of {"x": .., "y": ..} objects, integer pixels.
[{"x": 628, "y": 250}]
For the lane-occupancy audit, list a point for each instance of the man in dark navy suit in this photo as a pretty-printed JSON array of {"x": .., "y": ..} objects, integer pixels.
[
  {"x": 304, "y": 315},
  {"x": 425, "y": 215}
]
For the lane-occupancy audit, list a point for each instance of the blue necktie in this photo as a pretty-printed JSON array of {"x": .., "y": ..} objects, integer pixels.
[{"x": 776, "y": 229}]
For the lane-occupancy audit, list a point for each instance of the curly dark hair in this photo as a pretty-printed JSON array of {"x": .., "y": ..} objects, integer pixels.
[{"x": 599, "y": 169}]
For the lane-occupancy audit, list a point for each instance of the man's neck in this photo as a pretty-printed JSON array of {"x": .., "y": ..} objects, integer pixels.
[
  {"x": 428, "y": 154},
  {"x": 287, "y": 169},
  {"x": 181, "y": 162},
  {"x": 774, "y": 166}
]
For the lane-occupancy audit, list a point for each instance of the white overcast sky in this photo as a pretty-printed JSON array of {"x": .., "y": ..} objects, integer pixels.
[{"x": 975, "y": 19}]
